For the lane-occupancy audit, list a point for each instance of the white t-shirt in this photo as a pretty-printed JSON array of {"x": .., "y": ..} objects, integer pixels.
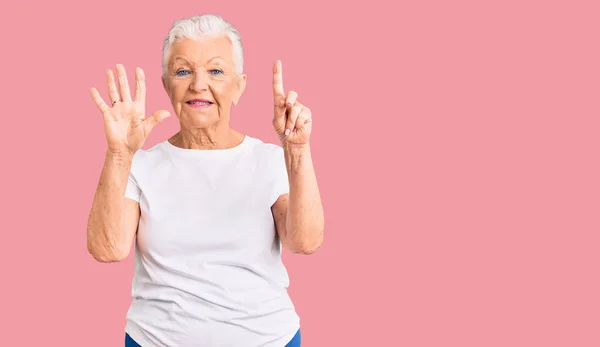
[{"x": 208, "y": 267}]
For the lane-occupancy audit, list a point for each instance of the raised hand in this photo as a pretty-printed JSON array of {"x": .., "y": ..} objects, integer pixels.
[
  {"x": 292, "y": 120},
  {"x": 125, "y": 124}
]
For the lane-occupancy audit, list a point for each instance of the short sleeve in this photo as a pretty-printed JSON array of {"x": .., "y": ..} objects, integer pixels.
[
  {"x": 132, "y": 191},
  {"x": 281, "y": 179}
]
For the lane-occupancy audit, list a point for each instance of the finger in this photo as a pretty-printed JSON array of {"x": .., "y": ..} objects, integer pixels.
[
  {"x": 278, "y": 92},
  {"x": 278, "y": 96},
  {"x": 113, "y": 93},
  {"x": 304, "y": 118},
  {"x": 140, "y": 88},
  {"x": 289, "y": 103},
  {"x": 123, "y": 83},
  {"x": 99, "y": 101},
  {"x": 291, "y": 98},
  {"x": 279, "y": 112},
  {"x": 291, "y": 118},
  {"x": 153, "y": 120}
]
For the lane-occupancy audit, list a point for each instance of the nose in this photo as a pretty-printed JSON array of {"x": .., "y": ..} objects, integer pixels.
[{"x": 200, "y": 82}]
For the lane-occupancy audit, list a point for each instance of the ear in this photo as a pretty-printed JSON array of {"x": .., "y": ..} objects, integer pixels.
[
  {"x": 240, "y": 87},
  {"x": 164, "y": 83}
]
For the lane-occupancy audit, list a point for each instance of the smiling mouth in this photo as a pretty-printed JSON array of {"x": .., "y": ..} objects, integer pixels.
[{"x": 199, "y": 103}]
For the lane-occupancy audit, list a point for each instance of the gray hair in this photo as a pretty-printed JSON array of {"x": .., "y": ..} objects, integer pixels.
[{"x": 196, "y": 27}]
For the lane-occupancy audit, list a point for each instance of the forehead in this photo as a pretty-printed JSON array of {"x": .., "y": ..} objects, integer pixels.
[{"x": 200, "y": 51}]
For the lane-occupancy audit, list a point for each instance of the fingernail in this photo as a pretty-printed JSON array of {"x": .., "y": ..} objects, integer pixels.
[{"x": 287, "y": 132}]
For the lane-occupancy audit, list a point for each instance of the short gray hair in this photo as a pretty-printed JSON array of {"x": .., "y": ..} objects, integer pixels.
[{"x": 196, "y": 27}]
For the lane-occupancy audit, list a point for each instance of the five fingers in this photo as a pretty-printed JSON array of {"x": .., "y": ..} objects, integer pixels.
[{"x": 118, "y": 88}]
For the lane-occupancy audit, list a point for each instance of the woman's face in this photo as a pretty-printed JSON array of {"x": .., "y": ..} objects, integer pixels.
[{"x": 201, "y": 81}]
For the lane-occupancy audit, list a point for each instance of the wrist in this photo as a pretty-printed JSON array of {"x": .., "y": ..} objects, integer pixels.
[
  {"x": 119, "y": 156},
  {"x": 297, "y": 158},
  {"x": 296, "y": 148}
]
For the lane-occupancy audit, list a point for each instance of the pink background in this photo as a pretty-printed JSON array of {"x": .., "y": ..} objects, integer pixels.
[{"x": 456, "y": 145}]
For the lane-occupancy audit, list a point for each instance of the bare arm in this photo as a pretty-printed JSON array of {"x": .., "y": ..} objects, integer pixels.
[
  {"x": 299, "y": 214},
  {"x": 113, "y": 219}
]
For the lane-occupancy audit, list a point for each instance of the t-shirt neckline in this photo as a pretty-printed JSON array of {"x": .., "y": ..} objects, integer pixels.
[{"x": 169, "y": 147}]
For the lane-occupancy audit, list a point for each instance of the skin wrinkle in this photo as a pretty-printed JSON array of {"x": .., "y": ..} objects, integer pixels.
[
  {"x": 113, "y": 221},
  {"x": 204, "y": 128},
  {"x": 205, "y": 69}
]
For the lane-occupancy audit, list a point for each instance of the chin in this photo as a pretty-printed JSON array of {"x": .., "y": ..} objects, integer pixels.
[{"x": 200, "y": 120}]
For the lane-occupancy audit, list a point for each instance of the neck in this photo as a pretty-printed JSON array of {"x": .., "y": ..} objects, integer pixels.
[{"x": 209, "y": 138}]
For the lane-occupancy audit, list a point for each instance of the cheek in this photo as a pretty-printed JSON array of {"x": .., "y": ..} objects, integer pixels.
[
  {"x": 222, "y": 92},
  {"x": 177, "y": 92}
]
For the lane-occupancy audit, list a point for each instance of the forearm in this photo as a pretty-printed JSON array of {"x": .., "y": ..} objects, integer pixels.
[
  {"x": 106, "y": 237},
  {"x": 305, "y": 219}
]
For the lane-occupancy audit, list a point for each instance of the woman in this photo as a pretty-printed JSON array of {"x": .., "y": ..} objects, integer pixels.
[{"x": 210, "y": 206}]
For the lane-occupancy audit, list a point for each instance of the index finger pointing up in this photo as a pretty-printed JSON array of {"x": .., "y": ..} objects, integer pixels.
[{"x": 277, "y": 80}]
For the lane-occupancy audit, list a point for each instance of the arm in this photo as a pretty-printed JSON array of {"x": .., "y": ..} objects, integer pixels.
[
  {"x": 113, "y": 219},
  {"x": 299, "y": 215}
]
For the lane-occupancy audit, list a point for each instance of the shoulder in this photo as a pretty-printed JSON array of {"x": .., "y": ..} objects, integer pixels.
[
  {"x": 145, "y": 158},
  {"x": 265, "y": 151}
]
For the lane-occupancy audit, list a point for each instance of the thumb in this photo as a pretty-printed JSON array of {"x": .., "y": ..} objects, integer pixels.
[{"x": 156, "y": 118}]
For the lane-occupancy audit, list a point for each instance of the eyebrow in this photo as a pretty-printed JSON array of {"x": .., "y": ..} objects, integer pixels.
[
  {"x": 176, "y": 60},
  {"x": 185, "y": 61}
]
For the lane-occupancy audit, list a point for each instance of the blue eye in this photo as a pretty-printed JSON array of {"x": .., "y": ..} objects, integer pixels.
[
  {"x": 180, "y": 72},
  {"x": 216, "y": 71}
]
